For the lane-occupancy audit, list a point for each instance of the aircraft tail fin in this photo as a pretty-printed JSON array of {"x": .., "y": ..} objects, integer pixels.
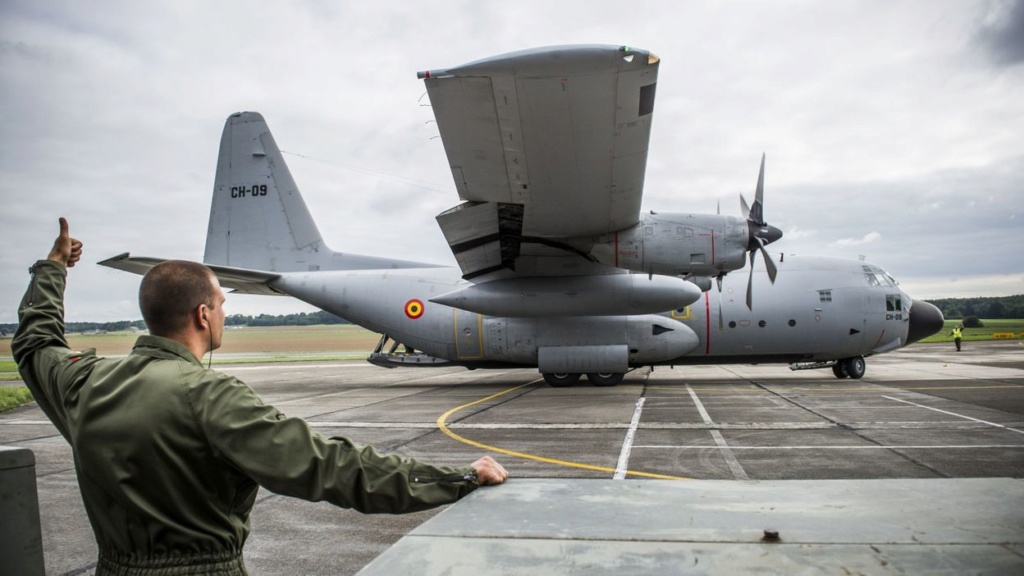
[{"x": 258, "y": 219}]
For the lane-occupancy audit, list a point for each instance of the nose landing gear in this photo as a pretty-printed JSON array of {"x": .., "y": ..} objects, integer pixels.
[{"x": 850, "y": 368}]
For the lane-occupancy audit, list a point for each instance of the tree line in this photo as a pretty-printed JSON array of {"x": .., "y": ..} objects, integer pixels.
[
  {"x": 299, "y": 319},
  {"x": 993, "y": 308}
]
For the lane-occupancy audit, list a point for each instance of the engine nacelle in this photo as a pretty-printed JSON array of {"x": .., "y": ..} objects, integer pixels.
[
  {"x": 677, "y": 244},
  {"x": 607, "y": 295}
]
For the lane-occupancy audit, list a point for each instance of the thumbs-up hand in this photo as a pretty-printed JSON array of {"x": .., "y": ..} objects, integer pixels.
[{"x": 66, "y": 250}]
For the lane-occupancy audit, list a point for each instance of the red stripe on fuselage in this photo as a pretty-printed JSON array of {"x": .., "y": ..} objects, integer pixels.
[{"x": 880, "y": 336}]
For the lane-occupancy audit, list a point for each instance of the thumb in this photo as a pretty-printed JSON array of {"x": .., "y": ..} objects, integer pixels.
[{"x": 64, "y": 232}]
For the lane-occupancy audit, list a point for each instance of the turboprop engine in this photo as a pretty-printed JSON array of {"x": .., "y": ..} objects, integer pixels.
[{"x": 697, "y": 246}]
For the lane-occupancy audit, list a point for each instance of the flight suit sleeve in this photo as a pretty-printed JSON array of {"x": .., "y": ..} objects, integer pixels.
[
  {"x": 285, "y": 456},
  {"x": 46, "y": 364}
]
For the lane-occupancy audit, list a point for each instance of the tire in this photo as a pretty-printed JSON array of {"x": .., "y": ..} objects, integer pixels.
[
  {"x": 560, "y": 380},
  {"x": 855, "y": 367},
  {"x": 605, "y": 379},
  {"x": 839, "y": 369}
]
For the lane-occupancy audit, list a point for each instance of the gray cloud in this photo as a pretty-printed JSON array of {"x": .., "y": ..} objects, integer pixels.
[
  {"x": 873, "y": 115},
  {"x": 1001, "y": 32}
]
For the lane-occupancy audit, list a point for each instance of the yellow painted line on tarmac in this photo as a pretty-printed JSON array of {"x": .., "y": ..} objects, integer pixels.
[{"x": 442, "y": 424}]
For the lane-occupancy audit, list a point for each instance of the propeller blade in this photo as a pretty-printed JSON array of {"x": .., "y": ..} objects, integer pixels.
[
  {"x": 768, "y": 263},
  {"x": 744, "y": 207},
  {"x": 750, "y": 284},
  {"x": 721, "y": 321},
  {"x": 757, "y": 210}
]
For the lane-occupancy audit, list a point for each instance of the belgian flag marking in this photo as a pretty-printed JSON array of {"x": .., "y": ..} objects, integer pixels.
[{"x": 414, "y": 309}]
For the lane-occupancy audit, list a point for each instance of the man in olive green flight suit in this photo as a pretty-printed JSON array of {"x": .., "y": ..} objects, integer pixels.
[{"x": 170, "y": 455}]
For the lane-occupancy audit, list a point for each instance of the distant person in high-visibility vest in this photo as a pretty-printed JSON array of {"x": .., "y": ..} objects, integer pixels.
[{"x": 957, "y": 333}]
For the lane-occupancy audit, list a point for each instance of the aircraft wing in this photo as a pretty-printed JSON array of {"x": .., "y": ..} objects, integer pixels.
[
  {"x": 543, "y": 144},
  {"x": 239, "y": 280}
]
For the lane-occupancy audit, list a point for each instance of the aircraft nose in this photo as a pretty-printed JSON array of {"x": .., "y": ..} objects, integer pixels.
[{"x": 925, "y": 320}]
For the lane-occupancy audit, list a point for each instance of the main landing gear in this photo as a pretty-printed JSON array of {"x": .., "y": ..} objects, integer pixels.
[
  {"x": 561, "y": 380},
  {"x": 850, "y": 368}
]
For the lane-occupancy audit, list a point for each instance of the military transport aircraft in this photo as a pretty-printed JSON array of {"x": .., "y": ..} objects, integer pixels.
[{"x": 558, "y": 268}]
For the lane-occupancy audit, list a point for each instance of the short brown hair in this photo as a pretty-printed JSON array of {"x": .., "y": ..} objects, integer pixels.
[{"x": 171, "y": 291}]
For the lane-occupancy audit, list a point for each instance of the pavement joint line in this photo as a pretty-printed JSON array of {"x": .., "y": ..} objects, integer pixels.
[
  {"x": 997, "y": 425},
  {"x": 229, "y": 368},
  {"x": 737, "y": 470},
  {"x": 317, "y": 397}
]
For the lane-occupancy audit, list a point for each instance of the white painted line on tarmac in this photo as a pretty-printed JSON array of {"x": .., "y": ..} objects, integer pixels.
[
  {"x": 627, "y": 444},
  {"x": 737, "y": 471},
  {"x": 955, "y": 414}
]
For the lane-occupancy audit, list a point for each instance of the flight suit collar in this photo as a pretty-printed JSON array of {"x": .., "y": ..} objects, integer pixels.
[{"x": 160, "y": 347}]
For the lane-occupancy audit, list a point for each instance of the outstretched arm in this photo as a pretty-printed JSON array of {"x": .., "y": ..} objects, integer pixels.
[{"x": 46, "y": 364}]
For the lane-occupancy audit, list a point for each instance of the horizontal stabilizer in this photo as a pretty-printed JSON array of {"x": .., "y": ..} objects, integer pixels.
[{"x": 239, "y": 280}]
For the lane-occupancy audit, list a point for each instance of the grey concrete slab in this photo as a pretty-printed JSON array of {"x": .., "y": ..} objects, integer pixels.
[
  {"x": 769, "y": 422},
  {"x": 649, "y": 527}
]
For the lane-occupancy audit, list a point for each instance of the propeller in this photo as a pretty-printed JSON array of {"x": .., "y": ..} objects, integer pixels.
[{"x": 761, "y": 233}]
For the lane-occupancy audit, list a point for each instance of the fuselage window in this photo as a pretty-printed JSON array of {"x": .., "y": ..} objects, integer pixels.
[
  {"x": 893, "y": 303},
  {"x": 824, "y": 295}
]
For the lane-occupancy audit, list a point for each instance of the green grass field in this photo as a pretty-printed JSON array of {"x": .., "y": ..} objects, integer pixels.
[
  {"x": 1016, "y": 327},
  {"x": 13, "y": 396}
]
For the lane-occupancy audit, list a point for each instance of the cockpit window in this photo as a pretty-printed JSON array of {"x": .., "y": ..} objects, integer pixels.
[
  {"x": 877, "y": 277},
  {"x": 893, "y": 303}
]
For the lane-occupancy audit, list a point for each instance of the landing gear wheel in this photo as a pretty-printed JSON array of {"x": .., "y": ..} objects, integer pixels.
[
  {"x": 855, "y": 367},
  {"x": 605, "y": 379},
  {"x": 560, "y": 380},
  {"x": 839, "y": 369}
]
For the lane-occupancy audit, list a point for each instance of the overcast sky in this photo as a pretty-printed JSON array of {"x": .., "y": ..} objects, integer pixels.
[{"x": 893, "y": 130}]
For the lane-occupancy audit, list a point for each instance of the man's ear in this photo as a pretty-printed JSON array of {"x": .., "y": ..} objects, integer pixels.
[{"x": 201, "y": 318}]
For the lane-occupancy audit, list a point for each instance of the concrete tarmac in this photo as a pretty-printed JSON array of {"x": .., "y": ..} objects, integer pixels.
[{"x": 922, "y": 412}]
